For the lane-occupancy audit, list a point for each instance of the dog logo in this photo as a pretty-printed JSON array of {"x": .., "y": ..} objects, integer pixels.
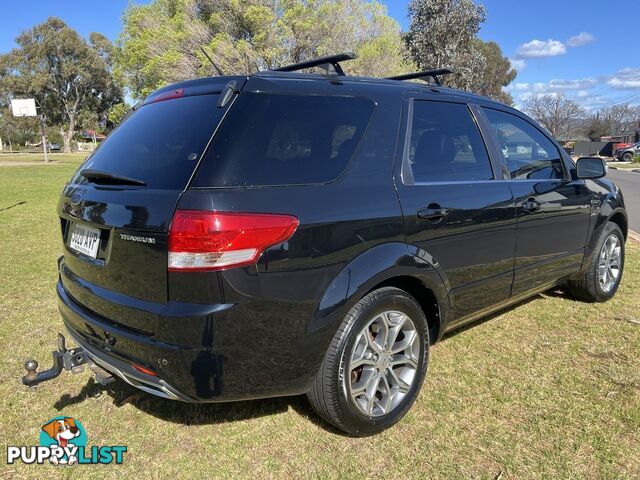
[
  {"x": 63, "y": 441},
  {"x": 62, "y": 431}
]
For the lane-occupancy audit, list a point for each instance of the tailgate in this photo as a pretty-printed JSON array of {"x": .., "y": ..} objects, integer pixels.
[
  {"x": 116, "y": 211},
  {"x": 131, "y": 247}
]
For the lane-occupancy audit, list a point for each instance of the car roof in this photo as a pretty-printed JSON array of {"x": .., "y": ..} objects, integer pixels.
[{"x": 217, "y": 84}]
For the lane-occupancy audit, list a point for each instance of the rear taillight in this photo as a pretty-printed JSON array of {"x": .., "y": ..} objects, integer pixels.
[{"x": 200, "y": 240}]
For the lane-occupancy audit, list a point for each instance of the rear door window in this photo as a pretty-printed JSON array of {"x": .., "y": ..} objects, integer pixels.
[
  {"x": 274, "y": 139},
  {"x": 160, "y": 143},
  {"x": 445, "y": 144}
]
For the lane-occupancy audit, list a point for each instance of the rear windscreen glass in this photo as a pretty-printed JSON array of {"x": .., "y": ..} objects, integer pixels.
[
  {"x": 160, "y": 143},
  {"x": 269, "y": 139}
]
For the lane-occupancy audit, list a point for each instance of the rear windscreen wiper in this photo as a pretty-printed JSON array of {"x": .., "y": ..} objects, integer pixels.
[{"x": 96, "y": 176}]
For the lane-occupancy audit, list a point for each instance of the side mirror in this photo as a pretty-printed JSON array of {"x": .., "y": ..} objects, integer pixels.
[{"x": 591, "y": 167}]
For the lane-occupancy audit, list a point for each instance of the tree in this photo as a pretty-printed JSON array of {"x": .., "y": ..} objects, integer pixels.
[
  {"x": 161, "y": 42},
  {"x": 15, "y": 130},
  {"x": 612, "y": 120},
  {"x": 496, "y": 72},
  {"x": 556, "y": 113},
  {"x": 117, "y": 112},
  {"x": 596, "y": 127},
  {"x": 619, "y": 117},
  {"x": 441, "y": 34},
  {"x": 69, "y": 77}
]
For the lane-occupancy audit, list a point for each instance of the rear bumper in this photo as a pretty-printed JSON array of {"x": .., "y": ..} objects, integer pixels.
[
  {"x": 126, "y": 372},
  {"x": 213, "y": 368}
]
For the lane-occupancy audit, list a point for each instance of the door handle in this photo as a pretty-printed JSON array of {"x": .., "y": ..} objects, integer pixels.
[
  {"x": 531, "y": 205},
  {"x": 433, "y": 213}
]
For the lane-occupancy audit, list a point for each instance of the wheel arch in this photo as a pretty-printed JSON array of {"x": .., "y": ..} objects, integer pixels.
[
  {"x": 390, "y": 264},
  {"x": 425, "y": 297},
  {"x": 620, "y": 219}
]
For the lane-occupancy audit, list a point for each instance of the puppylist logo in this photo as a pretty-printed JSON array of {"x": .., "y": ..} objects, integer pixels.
[{"x": 63, "y": 441}]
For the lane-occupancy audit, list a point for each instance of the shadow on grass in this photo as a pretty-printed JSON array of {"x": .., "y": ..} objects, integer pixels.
[
  {"x": 193, "y": 413},
  {"x": 220, "y": 413}
]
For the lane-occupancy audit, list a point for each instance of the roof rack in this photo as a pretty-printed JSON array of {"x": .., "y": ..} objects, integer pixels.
[
  {"x": 329, "y": 63},
  {"x": 426, "y": 75}
]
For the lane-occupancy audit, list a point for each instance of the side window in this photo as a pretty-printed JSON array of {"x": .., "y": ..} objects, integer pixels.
[
  {"x": 445, "y": 144},
  {"x": 274, "y": 139},
  {"x": 527, "y": 153}
]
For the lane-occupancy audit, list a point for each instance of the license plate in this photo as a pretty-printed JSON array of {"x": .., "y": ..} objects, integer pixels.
[{"x": 85, "y": 240}]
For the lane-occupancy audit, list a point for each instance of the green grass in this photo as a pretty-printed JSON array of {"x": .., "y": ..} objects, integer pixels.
[
  {"x": 625, "y": 166},
  {"x": 550, "y": 389}
]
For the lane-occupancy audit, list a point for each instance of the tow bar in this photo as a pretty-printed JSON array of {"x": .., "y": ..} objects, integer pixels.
[{"x": 63, "y": 359}]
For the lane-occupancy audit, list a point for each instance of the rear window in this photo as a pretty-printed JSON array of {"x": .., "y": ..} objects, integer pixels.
[
  {"x": 270, "y": 139},
  {"x": 160, "y": 143}
]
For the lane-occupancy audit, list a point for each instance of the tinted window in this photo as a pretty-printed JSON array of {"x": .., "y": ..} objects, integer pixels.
[
  {"x": 160, "y": 143},
  {"x": 269, "y": 139},
  {"x": 528, "y": 154},
  {"x": 446, "y": 145}
]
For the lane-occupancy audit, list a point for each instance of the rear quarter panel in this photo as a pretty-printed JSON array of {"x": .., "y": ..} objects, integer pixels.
[{"x": 279, "y": 314}]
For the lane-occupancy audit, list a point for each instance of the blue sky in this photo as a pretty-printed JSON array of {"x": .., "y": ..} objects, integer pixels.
[{"x": 588, "y": 49}]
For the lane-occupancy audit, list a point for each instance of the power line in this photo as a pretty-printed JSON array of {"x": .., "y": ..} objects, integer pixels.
[{"x": 620, "y": 100}]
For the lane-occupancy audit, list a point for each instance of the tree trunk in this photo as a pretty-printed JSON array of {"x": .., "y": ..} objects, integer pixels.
[
  {"x": 66, "y": 141},
  {"x": 67, "y": 135}
]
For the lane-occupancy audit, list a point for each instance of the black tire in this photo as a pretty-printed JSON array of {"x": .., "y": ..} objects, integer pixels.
[
  {"x": 328, "y": 395},
  {"x": 627, "y": 157},
  {"x": 587, "y": 287}
]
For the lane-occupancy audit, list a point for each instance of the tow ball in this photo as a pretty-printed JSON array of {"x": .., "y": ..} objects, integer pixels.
[{"x": 63, "y": 359}]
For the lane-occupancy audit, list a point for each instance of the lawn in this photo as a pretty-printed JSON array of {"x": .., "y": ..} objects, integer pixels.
[
  {"x": 625, "y": 166},
  {"x": 550, "y": 389},
  {"x": 32, "y": 158}
]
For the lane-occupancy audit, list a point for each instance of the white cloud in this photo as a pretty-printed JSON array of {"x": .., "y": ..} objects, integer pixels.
[
  {"x": 541, "y": 48},
  {"x": 586, "y": 91},
  {"x": 573, "y": 84},
  {"x": 518, "y": 64},
  {"x": 626, "y": 78},
  {"x": 581, "y": 39}
]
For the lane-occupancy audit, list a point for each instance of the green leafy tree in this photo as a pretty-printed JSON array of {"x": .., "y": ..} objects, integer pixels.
[
  {"x": 69, "y": 77},
  {"x": 18, "y": 131},
  {"x": 161, "y": 41},
  {"x": 443, "y": 34},
  {"x": 495, "y": 73},
  {"x": 116, "y": 113}
]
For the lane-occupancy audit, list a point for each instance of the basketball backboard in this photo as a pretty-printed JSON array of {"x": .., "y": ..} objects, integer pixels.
[{"x": 23, "y": 107}]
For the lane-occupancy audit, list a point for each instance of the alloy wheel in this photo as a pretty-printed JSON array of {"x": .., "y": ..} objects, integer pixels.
[
  {"x": 610, "y": 263},
  {"x": 383, "y": 363}
]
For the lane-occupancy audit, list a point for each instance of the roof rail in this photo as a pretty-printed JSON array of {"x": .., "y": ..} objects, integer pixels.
[
  {"x": 425, "y": 75},
  {"x": 330, "y": 63}
]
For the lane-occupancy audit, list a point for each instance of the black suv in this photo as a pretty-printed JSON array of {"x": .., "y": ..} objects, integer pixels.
[{"x": 295, "y": 233}]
